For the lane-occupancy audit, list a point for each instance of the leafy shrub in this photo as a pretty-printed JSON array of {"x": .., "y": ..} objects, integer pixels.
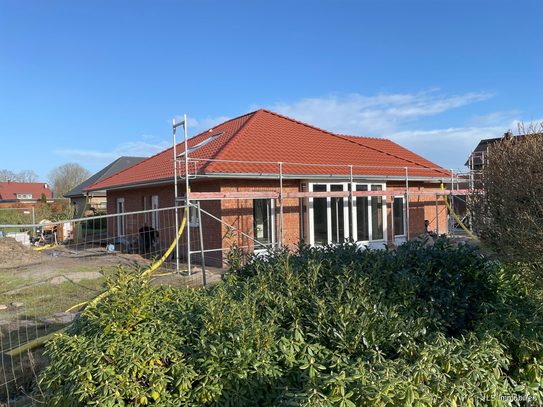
[
  {"x": 96, "y": 223},
  {"x": 331, "y": 326}
]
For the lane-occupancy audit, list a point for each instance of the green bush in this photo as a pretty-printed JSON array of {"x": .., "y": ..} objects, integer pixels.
[
  {"x": 96, "y": 223},
  {"x": 331, "y": 326}
]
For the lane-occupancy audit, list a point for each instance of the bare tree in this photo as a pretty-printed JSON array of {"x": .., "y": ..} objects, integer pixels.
[
  {"x": 7, "y": 175},
  {"x": 66, "y": 177},
  {"x": 28, "y": 176},
  {"x": 23, "y": 176},
  {"x": 507, "y": 204}
]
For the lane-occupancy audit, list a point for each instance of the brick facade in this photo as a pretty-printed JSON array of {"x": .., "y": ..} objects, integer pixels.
[
  {"x": 238, "y": 213},
  {"x": 421, "y": 208}
]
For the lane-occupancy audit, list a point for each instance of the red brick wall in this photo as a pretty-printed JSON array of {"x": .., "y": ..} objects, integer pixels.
[
  {"x": 421, "y": 207},
  {"x": 133, "y": 199},
  {"x": 238, "y": 213}
]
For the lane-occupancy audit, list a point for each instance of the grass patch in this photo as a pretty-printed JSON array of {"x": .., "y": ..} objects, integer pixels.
[
  {"x": 10, "y": 282},
  {"x": 44, "y": 300}
]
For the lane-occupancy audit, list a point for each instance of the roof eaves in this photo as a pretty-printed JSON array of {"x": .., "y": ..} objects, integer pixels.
[
  {"x": 257, "y": 175},
  {"x": 89, "y": 188},
  {"x": 135, "y": 184}
]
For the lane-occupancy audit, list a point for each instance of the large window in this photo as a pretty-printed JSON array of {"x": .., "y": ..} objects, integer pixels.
[
  {"x": 120, "y": 219},
  {"x": 330, "y": 215},
  {"x": 335, "y": 220},
  {"x": 398, "y": 215},
  {"x": 376, "y": 214},
  {"x": 154, "y": 213},
  {"x": 320, "y": 217},
  {"x": 362, "y": 215},
  {"x": 264, "y": 223},
  {"x": 338, "y": 216}
]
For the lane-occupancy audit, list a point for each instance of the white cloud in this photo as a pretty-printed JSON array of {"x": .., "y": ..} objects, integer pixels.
[
  {"x": 130, "y": 148},
  {"x": 195, "y": 126},
  {"x": 449, "y": 148},
  {"x": 148, "y": 146},
  {"x": 373, "y": 115},
  {"x": 388, "y": 115},
  {"x": 495, "y": 118}
]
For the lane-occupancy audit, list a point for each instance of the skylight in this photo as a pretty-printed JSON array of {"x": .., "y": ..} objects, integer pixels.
[{"x": 197, "y": 146}]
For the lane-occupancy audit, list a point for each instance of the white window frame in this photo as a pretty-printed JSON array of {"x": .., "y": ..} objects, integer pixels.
[
  {"x": 273, "y": 224},
  {"x": 404, "y": 217},
  {"x": 193, "y": 214},
  {"x": 346, "y": 231},
  {"x": 154, "y": 213},
  {"x": 353, "y": 217},
  {"x": 370, "y": 217},
  {"x": 121, "y": 221}
]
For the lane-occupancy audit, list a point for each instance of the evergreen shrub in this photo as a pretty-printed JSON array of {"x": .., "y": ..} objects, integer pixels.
[{"x": 329, "y": 326}]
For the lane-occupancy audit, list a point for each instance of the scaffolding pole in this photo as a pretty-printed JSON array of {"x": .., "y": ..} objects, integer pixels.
[
  {"x": 406, "y": 204},
  {"x": 201, "y": 244},
  {"x": 280, "y": 203},
  {"x": 187, "y": 189},
  {"x": 175, "y": 194}
]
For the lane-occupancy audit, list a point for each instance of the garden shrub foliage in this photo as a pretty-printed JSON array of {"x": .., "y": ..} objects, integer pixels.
[{"x": 331, "y": 326}]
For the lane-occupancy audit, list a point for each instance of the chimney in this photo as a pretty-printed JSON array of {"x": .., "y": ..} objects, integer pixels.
[{"x": 508, "y": 135}]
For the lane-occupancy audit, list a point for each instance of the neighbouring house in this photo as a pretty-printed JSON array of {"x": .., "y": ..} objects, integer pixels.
[
  {"x": 279, "y": 180},
  {"x": 28, "y": 192},
  {"x": 97, "y": 200},
  {"x": 477, "y": 156}
]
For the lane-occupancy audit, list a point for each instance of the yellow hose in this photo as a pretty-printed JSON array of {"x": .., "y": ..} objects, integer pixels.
[
  {"x": 456, "y": 217},
  {"x": 47, "y": 246},
  {"x": 39, "y": 341},
  {"x": 158, "y": 263},
  {"x": 35, "y": 343}
]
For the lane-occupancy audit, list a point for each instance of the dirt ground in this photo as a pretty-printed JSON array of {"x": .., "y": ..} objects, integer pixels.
[
  {"x": 13, "y": 254},
  {"x": 51, "y": 264}
]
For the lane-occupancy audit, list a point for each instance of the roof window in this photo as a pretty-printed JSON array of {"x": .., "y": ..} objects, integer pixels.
[{"x": 201, "y": 144}]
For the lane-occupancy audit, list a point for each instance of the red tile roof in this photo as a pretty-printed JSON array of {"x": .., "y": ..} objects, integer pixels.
[
  {"x": 255, "y": 142},
  {"x": 9, "y": 190}
]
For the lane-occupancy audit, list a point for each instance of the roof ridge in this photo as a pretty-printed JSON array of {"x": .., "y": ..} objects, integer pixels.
[
  {"x": 298, "y": 122},
  {"x": 234, "y": 138},
  {"x": 351, "y": 139}
]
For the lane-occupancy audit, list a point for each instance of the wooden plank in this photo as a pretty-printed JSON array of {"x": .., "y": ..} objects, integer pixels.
[{"x": 198, "y": 196}]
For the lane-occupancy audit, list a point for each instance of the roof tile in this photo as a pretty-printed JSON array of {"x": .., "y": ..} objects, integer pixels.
[{"x": 265, "y": 138}]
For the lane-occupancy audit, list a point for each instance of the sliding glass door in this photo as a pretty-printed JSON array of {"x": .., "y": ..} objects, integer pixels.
[{"x": 333, "y": 219}]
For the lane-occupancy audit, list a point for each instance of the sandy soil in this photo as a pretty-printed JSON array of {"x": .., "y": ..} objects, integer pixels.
[{"x": 51, "y": 264}]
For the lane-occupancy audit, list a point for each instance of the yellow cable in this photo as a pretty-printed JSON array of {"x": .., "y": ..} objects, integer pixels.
[
  {"x": 158, "y": 263},
  {"x": 33, "y": 344},
  {"x": 456, "y": 217},
  {"x": 75, "y": 306},
  {"x": 47, "y": 246},
  {"x": 40, "y": 341}
]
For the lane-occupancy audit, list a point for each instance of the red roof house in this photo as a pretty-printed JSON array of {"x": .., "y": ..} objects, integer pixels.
[
  {"x": 279, "y": 180},
  {"x": 24, "y": 191}
]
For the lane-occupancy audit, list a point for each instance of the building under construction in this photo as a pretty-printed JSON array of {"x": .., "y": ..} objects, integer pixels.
[{"x": 263, "y": 180}]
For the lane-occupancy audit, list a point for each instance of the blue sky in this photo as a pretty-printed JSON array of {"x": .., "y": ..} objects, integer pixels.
[{"x": 89, "y": 81}]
